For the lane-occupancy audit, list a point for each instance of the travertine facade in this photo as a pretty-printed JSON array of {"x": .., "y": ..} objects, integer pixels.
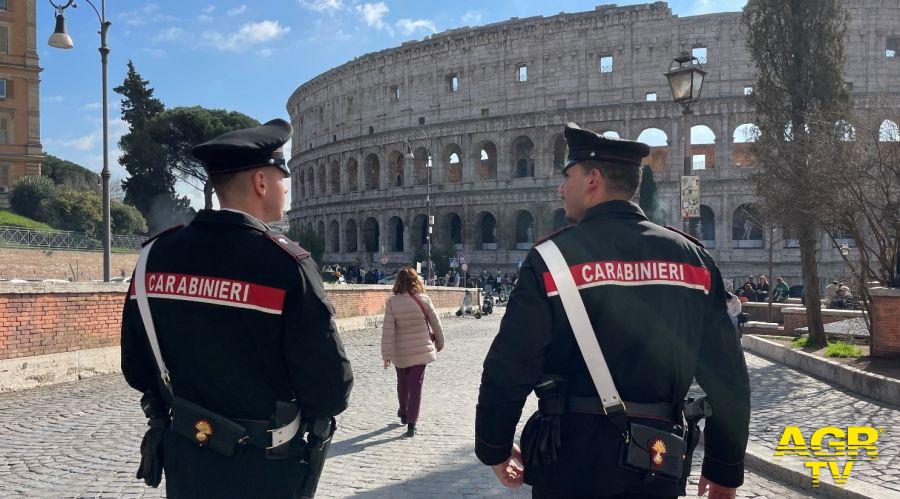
[
  {"x": 20, "y": 123},
  {"x": 494, "y": 130}
]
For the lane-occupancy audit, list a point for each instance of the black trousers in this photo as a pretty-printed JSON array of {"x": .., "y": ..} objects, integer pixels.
[{"x": 539, "y": 493}]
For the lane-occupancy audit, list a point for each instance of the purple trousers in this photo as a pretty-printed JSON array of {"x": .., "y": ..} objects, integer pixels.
[{"x": 409, "y": 391}]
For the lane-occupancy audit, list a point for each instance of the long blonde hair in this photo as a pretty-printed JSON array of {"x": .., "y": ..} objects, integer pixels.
[{"x": 408, "y": 282}]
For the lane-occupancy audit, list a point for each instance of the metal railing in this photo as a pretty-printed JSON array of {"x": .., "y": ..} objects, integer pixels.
[{"x": 62, "y": 239}]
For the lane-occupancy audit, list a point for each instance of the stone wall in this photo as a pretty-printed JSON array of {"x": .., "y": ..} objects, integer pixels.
[
  {"x": 795, "y": 317},
  {"x": 886, "y": 322},
  {"x": 58, "y": 264}
]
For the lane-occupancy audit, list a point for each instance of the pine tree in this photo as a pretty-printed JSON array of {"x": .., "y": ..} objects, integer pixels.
[{"x": 647, "y": 195}]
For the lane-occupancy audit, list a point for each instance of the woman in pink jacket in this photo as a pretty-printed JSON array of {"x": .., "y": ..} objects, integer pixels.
[{"x": 410, "y": 339}]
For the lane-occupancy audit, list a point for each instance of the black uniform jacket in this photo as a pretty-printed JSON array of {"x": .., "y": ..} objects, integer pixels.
[
  {"x": 242, "y": 321},
  {"x": 657, "y": 304}
]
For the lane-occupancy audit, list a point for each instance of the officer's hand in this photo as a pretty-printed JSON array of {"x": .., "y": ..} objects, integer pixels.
[
  {"x": 387, "y": 364},
  {"x": 511, "y": 472},
  {"x": 716, "y": 491}
]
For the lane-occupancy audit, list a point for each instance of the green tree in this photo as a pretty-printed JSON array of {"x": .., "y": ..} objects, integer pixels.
[
  {"x": 310, "y": 241},
  {"x": 70, "y": 174},
  {"x": 27, "y": 195},
  {"x": 440, "y": 255},
  {"x": 180, "y": 129},
  {"x": 151, "y": 184},
  {"x": 126, "y": 219},
  {"x": 78, "y": 211},
  {"x": 649, "y": 201},
  {"x": 799, "y": 95}
]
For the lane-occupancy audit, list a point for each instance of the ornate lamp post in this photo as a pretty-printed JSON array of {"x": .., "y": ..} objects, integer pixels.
[
  {"x": 60, "y": 39},
  {"x": 429, "y": 218},
  {"x": 685, "y": 77}
]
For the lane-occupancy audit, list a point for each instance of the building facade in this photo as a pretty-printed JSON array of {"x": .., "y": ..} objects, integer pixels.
[
  {"x": 487, "y": 105},
  {"x": 20, "y": 125}
]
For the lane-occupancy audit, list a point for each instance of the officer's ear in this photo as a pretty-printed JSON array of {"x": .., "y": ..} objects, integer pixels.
[{"x": 260, "y": 182}]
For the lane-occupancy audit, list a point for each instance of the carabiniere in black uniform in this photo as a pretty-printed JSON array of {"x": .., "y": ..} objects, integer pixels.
[
  {"x": 245, "y": 329},
  {"x": 656, "y": 302}
]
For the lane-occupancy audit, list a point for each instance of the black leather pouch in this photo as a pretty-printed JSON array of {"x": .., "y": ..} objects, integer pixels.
[
  {"x": 206, "y": 428},
  {"x": 658, "y": 453}
]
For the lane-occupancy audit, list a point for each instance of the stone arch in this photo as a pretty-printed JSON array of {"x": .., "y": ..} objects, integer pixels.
[
  {"x": 419, "y": 232},
  {"x": 452, "y": 230},
  {"x": 704, "y": 228},
  {"x": 371, "y": 235},
  {"x": 487, "y": 161},
  {"x": 320, "y": 230},
  {"x": 659, "y": 148},
  {"x": 309, "y": 227},
  {"x": 311, "y": 182},
  {"x": 703, "y": 147},
  {"x": 523, "y": 221},
  {"x": 372, "y": 172},
  {"x": 395, "y": 235},
  {"x": 334, "y": 236},
  {"x": 487, "y": 231},
  {"x": 523, "y": 157},
  {"x": 301, "y": 180},
  {"x": 396, "y": 162},
  {"x": 335, "y": 177},
  {"x": 557, "y": 219},
  {"x": 421, "y": 166},
  {"x": 746, "y": 230},
  {"x": 611, "y": 134},
  {"x": 350, "y": 242},
  {"x": 743, "y": 136},
  {"x": 452, "y": 161},
  {"x": 352, "y": 175},
  {"x": 888, "y": 132},
  {"x": 320, "y": 176},
  {"x": 560, "y": 151}
]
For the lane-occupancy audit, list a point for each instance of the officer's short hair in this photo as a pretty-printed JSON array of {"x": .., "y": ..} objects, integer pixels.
[
  {"x": 621, "y": 178},
  {"x": 224, "y": 182}
]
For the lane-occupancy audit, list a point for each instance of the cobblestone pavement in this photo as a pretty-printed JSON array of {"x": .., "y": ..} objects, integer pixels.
[{"x": 81, "y": 439}]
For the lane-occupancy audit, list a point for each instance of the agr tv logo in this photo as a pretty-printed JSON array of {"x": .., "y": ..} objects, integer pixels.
[{"x": 836, "y": 449}]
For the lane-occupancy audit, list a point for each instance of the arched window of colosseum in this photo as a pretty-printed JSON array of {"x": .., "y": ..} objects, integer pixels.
[
  {"x": 523, "y": 157},
  {"x": 334, "y": 236},
  {"x": 557, "y": 219},
  {"x": 524, "y": 229},
  {"x": 309, "y": 227},
  {"x": 453, "y": 163},
  {"x": 743, "y": 136},
  {"x": 321, "y": 177},
  {"x": 560, "y": 151},
  {"x": 612, "y": 134},
  {"x": 395, "y": 235},
  {"x": 352, "y": 175},
  {"x": 395, "y": 168},
  {"x": 370, "y": 235},
  {"x": 350, "y": 245},
  {"x": 888, "y": 132},
  {"x": 320, "y": 230},
  {"x": 419, "y": 232},
  {"x": 487, "y": 230},
  {"x": 704, "y": 228},
  {"x": 335, "y": 177},
  {"x": 487, "y": 166},
  {"x": 311, "y": 182},
  {"x": 373, "y": 172},
  {"x": 420, "y": 164},
  {"x": 302, "y": 181},
  {"x": 659, "y": 148},
  {"x": 703, "y": 147},
  {"x": 746, "y": 229},
  {"x": 452, "y": 230}
]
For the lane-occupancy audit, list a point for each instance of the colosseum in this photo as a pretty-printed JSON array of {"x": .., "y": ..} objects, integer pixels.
[{"x": 483, "y": 110}]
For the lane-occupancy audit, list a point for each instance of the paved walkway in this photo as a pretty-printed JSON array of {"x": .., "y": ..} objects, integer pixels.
[{"x": 81, "y": 439}]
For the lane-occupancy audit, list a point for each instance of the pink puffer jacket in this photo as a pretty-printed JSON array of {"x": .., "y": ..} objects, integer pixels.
[{"x": 404, "y": 336}]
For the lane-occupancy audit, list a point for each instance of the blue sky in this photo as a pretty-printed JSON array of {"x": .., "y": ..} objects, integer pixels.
[{"x": 241, "y": 55}]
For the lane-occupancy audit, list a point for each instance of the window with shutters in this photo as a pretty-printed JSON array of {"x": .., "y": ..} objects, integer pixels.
[
  {"x": 4, "y": 176},
  {"x": 4, "y": 39},
  {"x": 3, "y": 89},
  {"x": 4, "y": 130}
]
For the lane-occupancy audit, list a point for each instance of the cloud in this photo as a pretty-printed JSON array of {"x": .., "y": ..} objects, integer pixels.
[
  {"x": 205, "y": 18},
  {"x": 373, "y": 14},
  {"x": 472, "y": 17},
  {"x": 155, "y": 52},
  {"x": 209, "y": 9},
  {"x": 326, "y": 6},
  {"x": 409, "y": 26},
  {"x": 169, "y": 35},
  {"x": 249, "y": 34},
  {"x": 237, "y": 10},
  {"x": 148, "y": 14},
  {"x": 265, "y": 53},
  {"x": 53, "y": 98}
]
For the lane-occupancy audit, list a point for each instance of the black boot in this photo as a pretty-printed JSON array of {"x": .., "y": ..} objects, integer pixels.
[
  {"x": 411, "y": 430},
  {"x": 401, "y": 416}
]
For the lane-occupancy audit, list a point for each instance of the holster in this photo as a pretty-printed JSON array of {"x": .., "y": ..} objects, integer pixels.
[
  {"x": 318, "y": 440},
  {"x": 541, "y": 436},
  {"x": 152, "y": 457},
  {"x": 694, "y": 411}
]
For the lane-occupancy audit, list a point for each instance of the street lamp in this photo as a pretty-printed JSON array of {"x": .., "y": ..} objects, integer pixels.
[
  {"x": 60, "y": 39},
  {"x": 685, "y": 77},
  {"x": 429, "y": 218}
]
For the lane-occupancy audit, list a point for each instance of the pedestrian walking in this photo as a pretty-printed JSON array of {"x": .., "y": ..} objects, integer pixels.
[
  {"x": 228, "y": 330},
  {"x": 611, "y": 321},
  {"x": 410, "y": 339}
]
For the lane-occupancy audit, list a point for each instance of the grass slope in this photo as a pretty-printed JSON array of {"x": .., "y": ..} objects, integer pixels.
[{"x": 9, "y": 218}]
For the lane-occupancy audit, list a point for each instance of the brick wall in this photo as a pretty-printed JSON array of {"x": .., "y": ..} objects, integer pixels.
[
  {"x": 886, "y": 322},
  {"x": 47, "y": 318},
  {"x": 57, "y": 264},
  {"x": 795, "y": 317}
]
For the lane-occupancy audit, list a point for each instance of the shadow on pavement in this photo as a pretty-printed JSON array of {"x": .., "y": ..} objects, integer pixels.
[{"x": 358, "y": 443}]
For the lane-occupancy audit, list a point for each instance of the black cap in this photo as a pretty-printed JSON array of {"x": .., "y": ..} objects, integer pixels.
[
  {"x": 245, "y": 149},
  {"x": 585, "y": 145}
]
